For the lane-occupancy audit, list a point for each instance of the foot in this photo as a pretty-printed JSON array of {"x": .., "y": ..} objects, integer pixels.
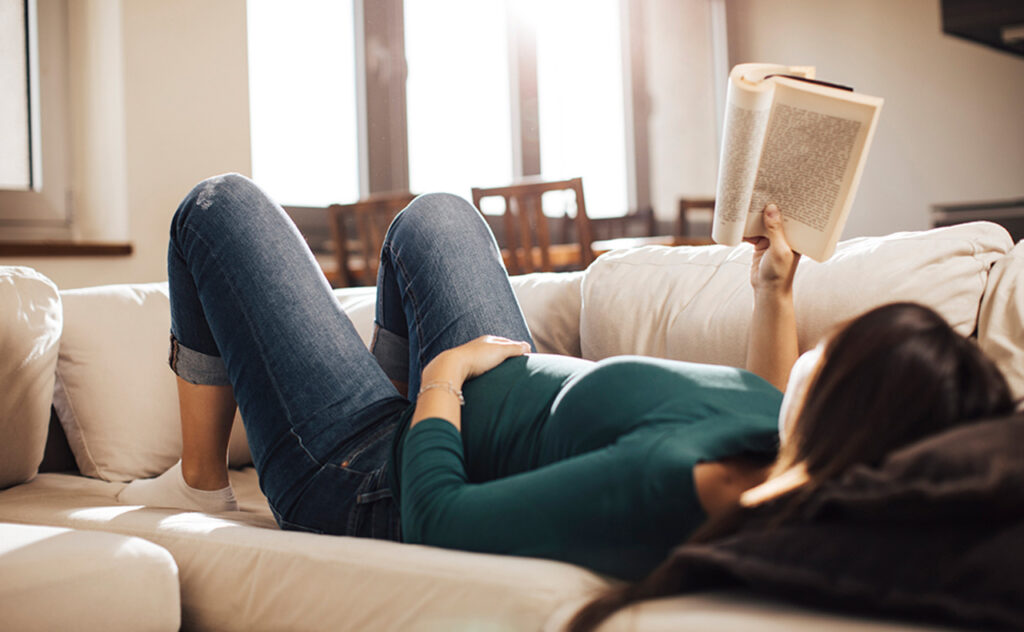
[{"x": 170, "y": 490}]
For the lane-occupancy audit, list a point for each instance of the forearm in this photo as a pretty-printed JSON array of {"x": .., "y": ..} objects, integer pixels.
[
  {"x": 440, "y": 402},
  {"x": 772, "y": 347},
  {"x": 451, "y": 368}
]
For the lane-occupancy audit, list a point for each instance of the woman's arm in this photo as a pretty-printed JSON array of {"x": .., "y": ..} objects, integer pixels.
[
  {"x": 772, "y": 347},
  {"x": 440, "y": 393}
]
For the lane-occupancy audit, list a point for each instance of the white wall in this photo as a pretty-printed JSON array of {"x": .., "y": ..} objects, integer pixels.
[
  {"x": 952, "y": 128},
  {"x": 682, "y": 128},
  {"x": 159, "y": 102}
]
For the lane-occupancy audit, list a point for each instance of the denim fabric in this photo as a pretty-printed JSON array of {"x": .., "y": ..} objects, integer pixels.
[
  {"x": 250, "y": 304},
  {"x": 441, "y": 283}
]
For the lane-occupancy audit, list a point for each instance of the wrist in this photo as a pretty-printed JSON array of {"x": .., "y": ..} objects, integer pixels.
[
  {"x": 782, "y": 293},
  {"x": 445, "y": 367}
]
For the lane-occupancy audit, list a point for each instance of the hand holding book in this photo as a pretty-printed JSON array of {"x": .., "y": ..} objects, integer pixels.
[
  {"x": 774, "y": 263},
  {"x": 794, "y": 142}
]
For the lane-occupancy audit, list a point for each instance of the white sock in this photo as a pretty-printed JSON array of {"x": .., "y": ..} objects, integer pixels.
[{"x": 170, "y": 490}]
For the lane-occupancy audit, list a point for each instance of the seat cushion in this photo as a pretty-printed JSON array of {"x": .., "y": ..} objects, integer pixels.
[
  {"x": 60, "y": 579},
  {"x": 239, "y": 572},
  {"x": 695, "y": 303},
  {"x": 30, "y": 329}
]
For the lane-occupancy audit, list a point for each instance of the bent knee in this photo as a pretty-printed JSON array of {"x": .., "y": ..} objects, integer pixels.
[
  {"x": 444, "y": 213},
  {"x": 440, "y": 207},
  {"x": 210, "y": 194}
]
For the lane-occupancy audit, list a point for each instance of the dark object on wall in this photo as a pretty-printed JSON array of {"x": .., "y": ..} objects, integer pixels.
[
  {"x": 1007, "y": 213},
  {"x": 995, "y": 23}
]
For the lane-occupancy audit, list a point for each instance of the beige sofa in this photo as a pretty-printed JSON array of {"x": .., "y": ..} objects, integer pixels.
[{"x": 97, "y": 356}]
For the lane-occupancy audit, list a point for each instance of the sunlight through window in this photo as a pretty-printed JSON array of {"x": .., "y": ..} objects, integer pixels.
[
  {"x": 458, "y": 95},
  {"x": 302, "y": 96},
  {"x": 581, "y": 100}
]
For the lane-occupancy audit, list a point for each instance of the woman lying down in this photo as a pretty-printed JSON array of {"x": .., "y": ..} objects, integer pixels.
[{"x": 451, "y": 432}]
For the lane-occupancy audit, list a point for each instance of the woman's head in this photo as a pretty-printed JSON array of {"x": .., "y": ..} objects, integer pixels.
[{"x": 895, "y": 374}]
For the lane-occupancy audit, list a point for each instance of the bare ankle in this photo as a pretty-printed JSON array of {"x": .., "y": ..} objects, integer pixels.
[{"x": 207, "y": 477}]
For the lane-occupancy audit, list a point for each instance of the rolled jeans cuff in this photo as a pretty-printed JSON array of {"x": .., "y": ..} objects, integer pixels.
[
  {"x": 195, "y": 367},
  {"x": 392, "y": 353}
]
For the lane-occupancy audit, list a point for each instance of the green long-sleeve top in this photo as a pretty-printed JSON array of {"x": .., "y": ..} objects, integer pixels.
[{"x": 589, "y": 463}]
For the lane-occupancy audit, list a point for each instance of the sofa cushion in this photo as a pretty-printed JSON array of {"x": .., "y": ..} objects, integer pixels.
[
  {"x": 551, "y": 303},
  {"x": 239, "y": 572},
  {"x": 59, "y": 579},
  {"x": 549, "y": 300},
  {"x": 1001, "y": 321},
  {"x": 115, "y": 396},
  {"x": 117, "y": 399},
  {"x": 695, "y": 303},
  {"x": 30, "y": 329}
]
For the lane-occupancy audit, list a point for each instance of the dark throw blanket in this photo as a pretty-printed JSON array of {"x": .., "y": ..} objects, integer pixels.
[{"x": 934, "y": 532}]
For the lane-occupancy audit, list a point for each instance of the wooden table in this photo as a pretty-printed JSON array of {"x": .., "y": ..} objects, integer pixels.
[{"x": 561, "y": 255}]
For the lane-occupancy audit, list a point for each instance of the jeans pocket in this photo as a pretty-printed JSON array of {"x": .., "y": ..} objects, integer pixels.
[
  {"x": 367, "y": 453},
  {"x": 375, "y": 513}
]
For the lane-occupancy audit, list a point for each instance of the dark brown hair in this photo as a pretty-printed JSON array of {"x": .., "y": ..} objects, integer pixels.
[{"x": 890, "y": 377}]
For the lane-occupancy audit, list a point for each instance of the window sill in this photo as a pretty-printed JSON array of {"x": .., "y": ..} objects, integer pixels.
[{"x": 64, "y": 249}]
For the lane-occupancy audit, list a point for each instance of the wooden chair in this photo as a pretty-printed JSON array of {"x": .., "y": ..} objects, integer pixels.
[
  {"x": 358, "y": 231},
  {"x": 685, "y": 204},
  {"x": 528, "y": 246}
]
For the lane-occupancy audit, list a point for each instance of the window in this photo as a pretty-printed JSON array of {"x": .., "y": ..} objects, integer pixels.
[
  {"x": 581, "y": 99},
  {"x": 15, "y": 135},
  {"x": 356, "y": 97},
  {"x": 302, "y": 102},
  {"x": 457, "y": 95},
  {"x": 33, "y": 129}
]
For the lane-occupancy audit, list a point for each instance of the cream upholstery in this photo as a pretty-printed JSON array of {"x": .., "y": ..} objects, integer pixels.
[
  {"x": 1001, "y": 322},
  {"x": 695, "y": 304},
  {"x": 30, "y": 328},
  {"x": 117, "y": 399},
  {"x": 238, "y": 571},
  {"x": 61, "y": 579}
]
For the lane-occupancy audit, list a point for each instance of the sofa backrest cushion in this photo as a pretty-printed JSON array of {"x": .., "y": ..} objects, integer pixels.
[
  {"x": 30, "y": 329},
  {"x": 1001, "y": 322},
  {"x": 114, "y": 394},
  {"x": 117, "y": 399},
  {"x": 550, "y": 302},
  {"x": 695, "y": 304}
]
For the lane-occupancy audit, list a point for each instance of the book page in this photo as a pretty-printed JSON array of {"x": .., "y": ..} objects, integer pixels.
[
  {"x": 741, "y": 150},
  {"x": 813, "y": 154},
  {"x": 747, "y": 108}
]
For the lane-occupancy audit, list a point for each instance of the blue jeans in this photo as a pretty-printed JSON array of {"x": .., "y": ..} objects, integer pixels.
[{"x": 251, "y": 308}]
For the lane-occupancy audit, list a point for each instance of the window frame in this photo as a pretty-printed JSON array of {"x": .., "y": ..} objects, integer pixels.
[
  {"x": 381, "y": 72},
  {"x": 44, "y": 212}
]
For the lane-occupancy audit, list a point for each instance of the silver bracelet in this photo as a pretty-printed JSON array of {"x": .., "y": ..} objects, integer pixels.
[{"x": 447, "y": 386}]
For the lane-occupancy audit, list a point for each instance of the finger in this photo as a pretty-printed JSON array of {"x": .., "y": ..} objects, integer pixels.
[
  {"x": 773, "y": 226},
  {"x": 772, "y": 220},
  {"x": 760, "y": 243}
]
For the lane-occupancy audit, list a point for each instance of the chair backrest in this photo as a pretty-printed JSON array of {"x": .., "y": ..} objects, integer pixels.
[
  {"x": 358, "y": 230},
  {"x": 685, "y": 221},
  {"x": 527, "y": 244}
]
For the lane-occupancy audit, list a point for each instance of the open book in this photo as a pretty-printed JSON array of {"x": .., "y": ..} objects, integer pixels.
[{"x": 794, "y": 142}]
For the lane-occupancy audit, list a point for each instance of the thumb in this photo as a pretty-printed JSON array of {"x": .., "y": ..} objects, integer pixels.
[{"x": 772, "y": 219}]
